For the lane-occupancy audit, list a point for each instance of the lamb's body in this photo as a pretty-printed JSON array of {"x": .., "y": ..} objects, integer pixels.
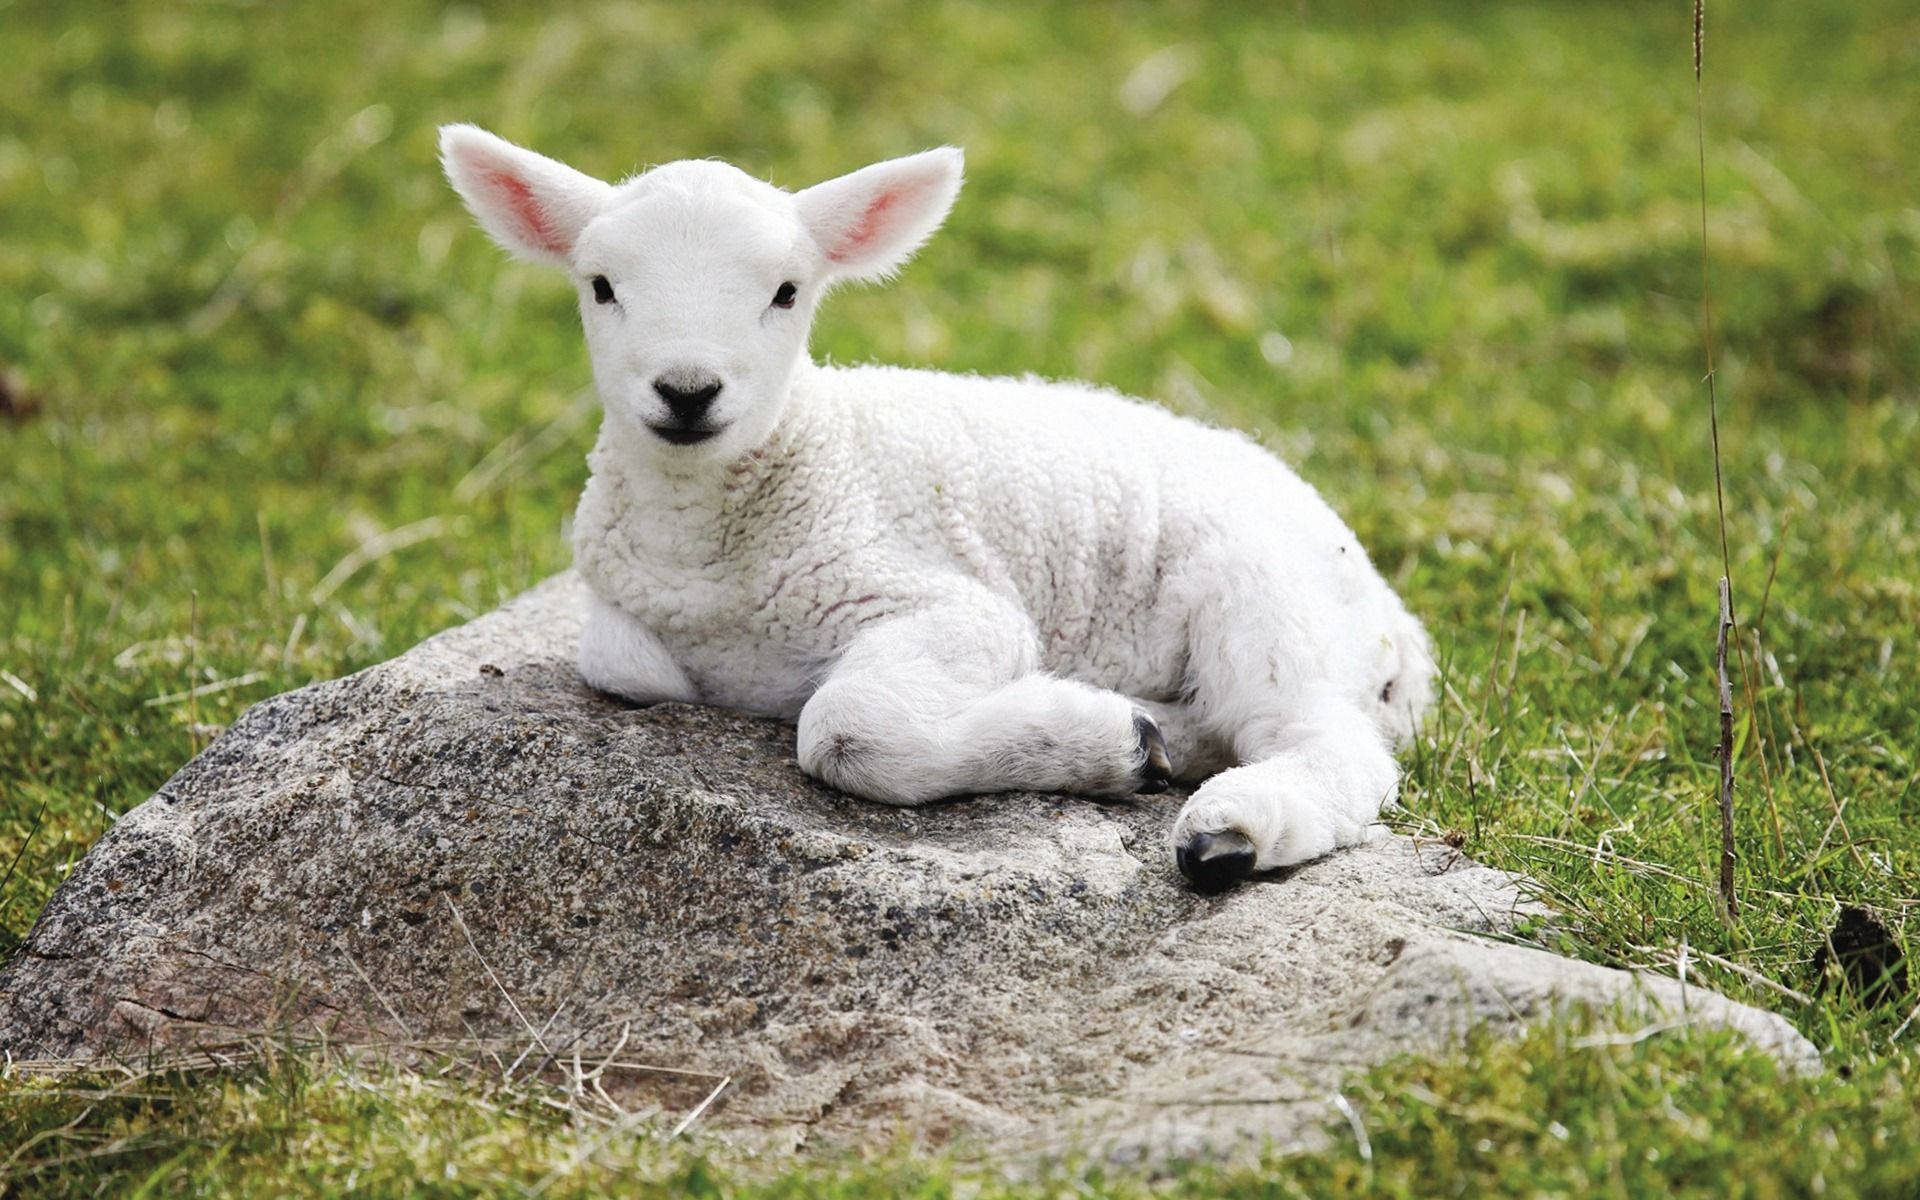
[
  {"x": 1108, "y": 525},
  {"x": 954, "y": 584},
  {"x": 1055, "y": 528}
]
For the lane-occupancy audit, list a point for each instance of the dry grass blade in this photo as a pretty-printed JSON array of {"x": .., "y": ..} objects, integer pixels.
[
  {"x": 1362, "y": 1143},
  {"x": 13, "y": 865},
  {"x": 687, "y": 1121},
  {"x": 376, "y": 548},
  {"x": 1661, "y": 958},
  {"x": 19, "y": 685},
  {"x": 1601, "y": 855},
  {"x": 1632, "y": 1037},
  {"x": 215, "y": 1055},
  {"x": 213, "y": 688},
  {"x": 515, "y": 454},
  {"x": 488, "y": 968},
  {"x": 377, "y": 994}
]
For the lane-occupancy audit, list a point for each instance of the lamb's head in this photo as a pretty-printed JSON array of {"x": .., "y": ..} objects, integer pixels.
[{"x": 698, "y": 282}]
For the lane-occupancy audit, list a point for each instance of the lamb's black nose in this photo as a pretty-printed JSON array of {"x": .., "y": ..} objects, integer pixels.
[{"x": 688, "y": 393}]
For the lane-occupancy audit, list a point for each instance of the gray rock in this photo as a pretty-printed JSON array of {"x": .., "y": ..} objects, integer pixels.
[{"x": 465, "y": 842}]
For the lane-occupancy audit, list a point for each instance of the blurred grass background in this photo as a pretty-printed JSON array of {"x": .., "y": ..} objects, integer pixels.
[{"x": 274, "y": 410}]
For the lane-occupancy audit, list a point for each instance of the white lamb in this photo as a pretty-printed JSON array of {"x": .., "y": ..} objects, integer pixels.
[{"x": 954, "y": 584}]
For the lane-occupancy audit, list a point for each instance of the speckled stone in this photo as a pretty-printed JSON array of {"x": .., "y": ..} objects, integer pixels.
[{"x": 366, "y": 857}]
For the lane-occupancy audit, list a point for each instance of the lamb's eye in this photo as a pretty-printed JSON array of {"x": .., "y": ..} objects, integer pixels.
[
  {"x": 602, "y": 290},
  {"x": 784, "y": 297}
]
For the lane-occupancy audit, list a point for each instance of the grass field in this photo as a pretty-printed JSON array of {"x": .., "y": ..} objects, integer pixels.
[{"x": 275, "y": 411}]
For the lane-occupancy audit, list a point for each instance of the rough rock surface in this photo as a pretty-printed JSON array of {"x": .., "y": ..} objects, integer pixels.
[{"x": 402, "y": 851}]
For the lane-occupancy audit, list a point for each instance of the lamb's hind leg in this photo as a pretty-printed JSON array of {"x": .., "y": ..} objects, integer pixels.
[
  {"x": 1315, "y": 778},
  {"x": 1316, "y": 765},
  {"x": 948, "y": 703}
]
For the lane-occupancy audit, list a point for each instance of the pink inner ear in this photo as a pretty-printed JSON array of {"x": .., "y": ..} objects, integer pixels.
[
  {"x": 868, "y": 227},
  {"x": 533, "y": 220}
]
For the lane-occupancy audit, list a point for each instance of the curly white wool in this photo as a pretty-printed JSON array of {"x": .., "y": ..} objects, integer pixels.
[{"x": 955, "y": 584}]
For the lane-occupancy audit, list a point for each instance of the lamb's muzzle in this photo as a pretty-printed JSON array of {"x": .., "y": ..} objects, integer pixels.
[{"x": 689, "y": 393}]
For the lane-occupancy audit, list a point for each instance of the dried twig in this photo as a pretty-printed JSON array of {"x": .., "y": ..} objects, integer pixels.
[
  {"x": 1727, "y": 899},
  {"x": 1725, "y": 751}
]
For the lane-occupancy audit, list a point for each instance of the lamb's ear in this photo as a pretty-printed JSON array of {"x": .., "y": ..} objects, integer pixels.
[
  {"x": 870, "y": 222},
  {"x": 532, "y": 205}
]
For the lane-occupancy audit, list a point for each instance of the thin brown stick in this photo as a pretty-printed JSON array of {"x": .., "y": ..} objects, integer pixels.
[{"x": 1725, "y": 751}]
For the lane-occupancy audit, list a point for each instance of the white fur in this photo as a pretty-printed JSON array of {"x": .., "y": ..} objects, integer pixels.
[{"x": 954, "y": 584}]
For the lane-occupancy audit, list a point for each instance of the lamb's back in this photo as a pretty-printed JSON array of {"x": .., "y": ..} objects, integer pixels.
[{"x": 1090, "y": 510}]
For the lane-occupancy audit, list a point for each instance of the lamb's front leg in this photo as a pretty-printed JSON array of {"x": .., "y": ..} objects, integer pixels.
[
  {"x": 948, "y": 703},
  {"x": 618, "y": 654},
  {"x": 1314, "y": 779}
]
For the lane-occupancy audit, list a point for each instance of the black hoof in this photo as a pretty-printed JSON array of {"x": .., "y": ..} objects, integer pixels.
[
  {"x": 1156, "y": 772},
  {"x": 1214, "y": 862}
]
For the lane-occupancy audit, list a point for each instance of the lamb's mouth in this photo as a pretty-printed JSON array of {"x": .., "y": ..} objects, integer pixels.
[{"x": 684, "y": 435}]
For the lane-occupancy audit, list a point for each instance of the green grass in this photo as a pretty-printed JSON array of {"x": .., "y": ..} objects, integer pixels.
[
  {"x": 1444, "y": 257},
  {"x": 1573, "y": 1109}
]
